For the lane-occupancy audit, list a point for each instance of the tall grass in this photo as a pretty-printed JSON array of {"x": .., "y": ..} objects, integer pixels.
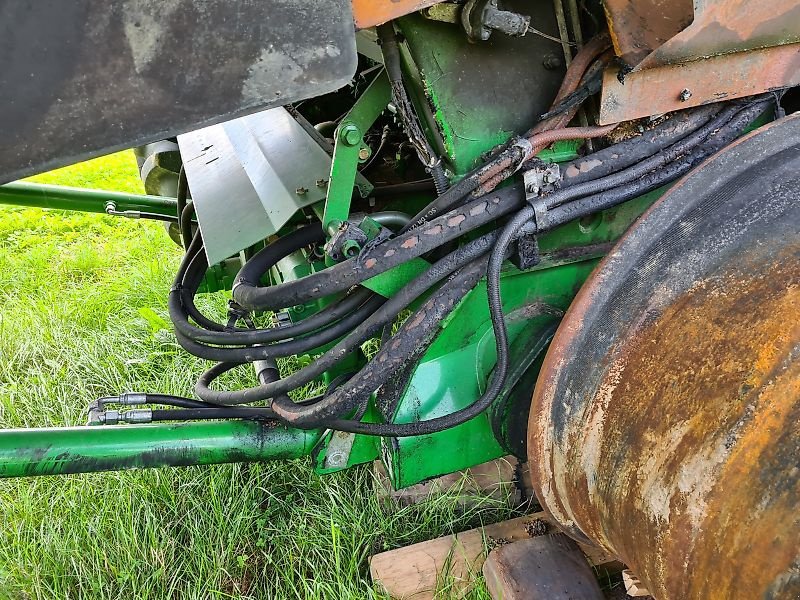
[{"x": 82, "y": 314}]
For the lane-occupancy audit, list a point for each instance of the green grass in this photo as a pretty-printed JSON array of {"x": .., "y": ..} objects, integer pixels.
[{"x": 83, "y": 314}]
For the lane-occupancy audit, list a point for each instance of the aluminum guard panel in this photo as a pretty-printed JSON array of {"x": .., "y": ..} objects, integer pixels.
[
  {"x": 665, "y": 424},
  {"x": 86, "y": 77}
]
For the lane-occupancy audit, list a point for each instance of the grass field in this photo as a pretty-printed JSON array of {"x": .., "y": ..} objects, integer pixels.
[{"x": 83, "y": 314}]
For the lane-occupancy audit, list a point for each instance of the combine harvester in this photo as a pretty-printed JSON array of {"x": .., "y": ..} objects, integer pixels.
[{"x": 591, "y": 205}]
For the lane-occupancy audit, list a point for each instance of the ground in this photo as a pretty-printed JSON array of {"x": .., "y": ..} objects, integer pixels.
[{"x": 82, "y": 315}]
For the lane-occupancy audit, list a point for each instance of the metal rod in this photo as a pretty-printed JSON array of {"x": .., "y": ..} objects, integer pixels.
[
  {"x": 562, "y": 31},
  {"x": 575, "y": 21},
  {"x": 59, "y": 451},
  {"x": 23, "y": 193}
]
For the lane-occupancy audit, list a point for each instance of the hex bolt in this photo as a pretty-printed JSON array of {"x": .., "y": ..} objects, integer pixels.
[
  {"x": 364, "y": 153},
  {"x": 552, "y": 61},
  {"x": 301, "y": 191},
  {"x": 350, "y": 134},
  {"x": 685, "y": 94},
  {"x": 322, "y": 182}
]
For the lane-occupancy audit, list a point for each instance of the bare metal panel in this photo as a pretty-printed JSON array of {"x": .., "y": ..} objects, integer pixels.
[{"x": 249, "y": 176}]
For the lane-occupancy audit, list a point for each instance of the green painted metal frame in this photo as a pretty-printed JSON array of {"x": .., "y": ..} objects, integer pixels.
[
  {"x": 349, "y": 142},
  {"x": 466, "y": 346},
  {"x": 59, "y": 451},
  {"x": 39, "y": 195}
]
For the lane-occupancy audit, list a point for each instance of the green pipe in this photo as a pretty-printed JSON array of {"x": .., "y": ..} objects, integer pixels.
[
  {"x": 23, "y": 193},
  {"x": 59, "y": 451}
]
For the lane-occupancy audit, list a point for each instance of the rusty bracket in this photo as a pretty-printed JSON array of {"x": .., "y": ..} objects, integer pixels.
[{"x": 672, "y": 87}]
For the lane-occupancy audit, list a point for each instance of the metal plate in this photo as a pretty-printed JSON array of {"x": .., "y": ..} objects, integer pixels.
[
  {"x": 640, "y": 26},
  {"x": 661, "y": 89},
  {"x": 724, "y": 26},
  {"x": 86, "y": 77},
  {"x": 245, "y": 174},
  {"x": 465, "y": 90},
  {"x": 665, "y": 424},
  {"x": 368, "y": 13}
]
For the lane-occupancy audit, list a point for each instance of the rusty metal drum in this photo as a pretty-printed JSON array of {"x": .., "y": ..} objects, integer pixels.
[{"x": 665, "y": 424}]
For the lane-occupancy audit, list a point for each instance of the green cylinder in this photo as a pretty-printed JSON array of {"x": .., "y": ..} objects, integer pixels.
[
  {"x": 39, "y": 195},
  {"x": 59, "y": 451}
]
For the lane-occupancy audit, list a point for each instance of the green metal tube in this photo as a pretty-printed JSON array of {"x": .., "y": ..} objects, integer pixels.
[
  {"x": 39, "y": 195},
  {"x": 59, "y": 451}
]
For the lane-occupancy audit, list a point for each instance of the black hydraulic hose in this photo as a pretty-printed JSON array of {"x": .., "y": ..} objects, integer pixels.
[
  {"x": 378, "y": 259},
  {"x": 194, "y": 273},
  {"x": 185, "y": 224},
  {"x": 418, "y": 330},
  {"x": 298, "y": 345},
  {"x": 626, "y": 153},
  {"x": 170, "y": 400},
  {"x": 318, "y": 320},
  {"x": 211, "y": 412},
  {"x": 717, "y": 140},
  {"x": 181, "y": 307},
  {"x": 370, "y": 327},
  {"x": 654, "y": 180},
  {"x": 641, "y": 168},
  {"x": 254, "y": 269},
  {"x": 444, "y": 202},
  {"x": 500, "y": 373},
  {"x": 390, "y": 49},
  {"x": 460, "y": 190},
  {"x": 181, "y": 300}
]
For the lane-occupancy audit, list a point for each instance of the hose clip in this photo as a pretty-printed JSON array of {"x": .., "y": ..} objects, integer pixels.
[
  {"x": 540, "y": 180},
  {"x": 524, "y": 144}
]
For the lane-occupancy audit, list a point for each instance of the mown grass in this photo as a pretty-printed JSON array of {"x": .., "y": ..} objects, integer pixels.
[{"x": 82, "y": 314}]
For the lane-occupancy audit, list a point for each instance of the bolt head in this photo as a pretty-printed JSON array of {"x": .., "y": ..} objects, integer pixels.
[
  {"x": 685, "y": 94},
  {"x": 364, "y": 153},
  {"x": 350, "y": 135}
]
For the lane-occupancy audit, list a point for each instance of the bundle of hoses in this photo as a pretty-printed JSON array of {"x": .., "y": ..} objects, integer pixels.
[{"x": 593, "y": 183}]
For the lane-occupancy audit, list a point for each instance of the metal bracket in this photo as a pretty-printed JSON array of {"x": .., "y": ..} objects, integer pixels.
[
  {"x": 348, "y": 146},
  {"x": 540, "y": 179},
  {"x": 339, "y": 447}
]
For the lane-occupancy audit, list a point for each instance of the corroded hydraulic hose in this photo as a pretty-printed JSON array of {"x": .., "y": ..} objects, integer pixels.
[
  {"x": 572, "y": 79},
  {"x": 503, "y": 169}
]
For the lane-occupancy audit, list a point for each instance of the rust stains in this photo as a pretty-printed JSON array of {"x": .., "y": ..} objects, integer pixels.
[
  {"x": 478, "y": 209},
  {"x": 683, "y": 56},
  {"x": 368, "y": 13},
  {"x": 659, "y": 90},
  {"x": 673, "y": 441},
  {"x": 456, "y": 220},
  {"x": 692, "y": 439},
  {"x": 435, "y": 230},
  {"x": 640, "y": 26}
]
